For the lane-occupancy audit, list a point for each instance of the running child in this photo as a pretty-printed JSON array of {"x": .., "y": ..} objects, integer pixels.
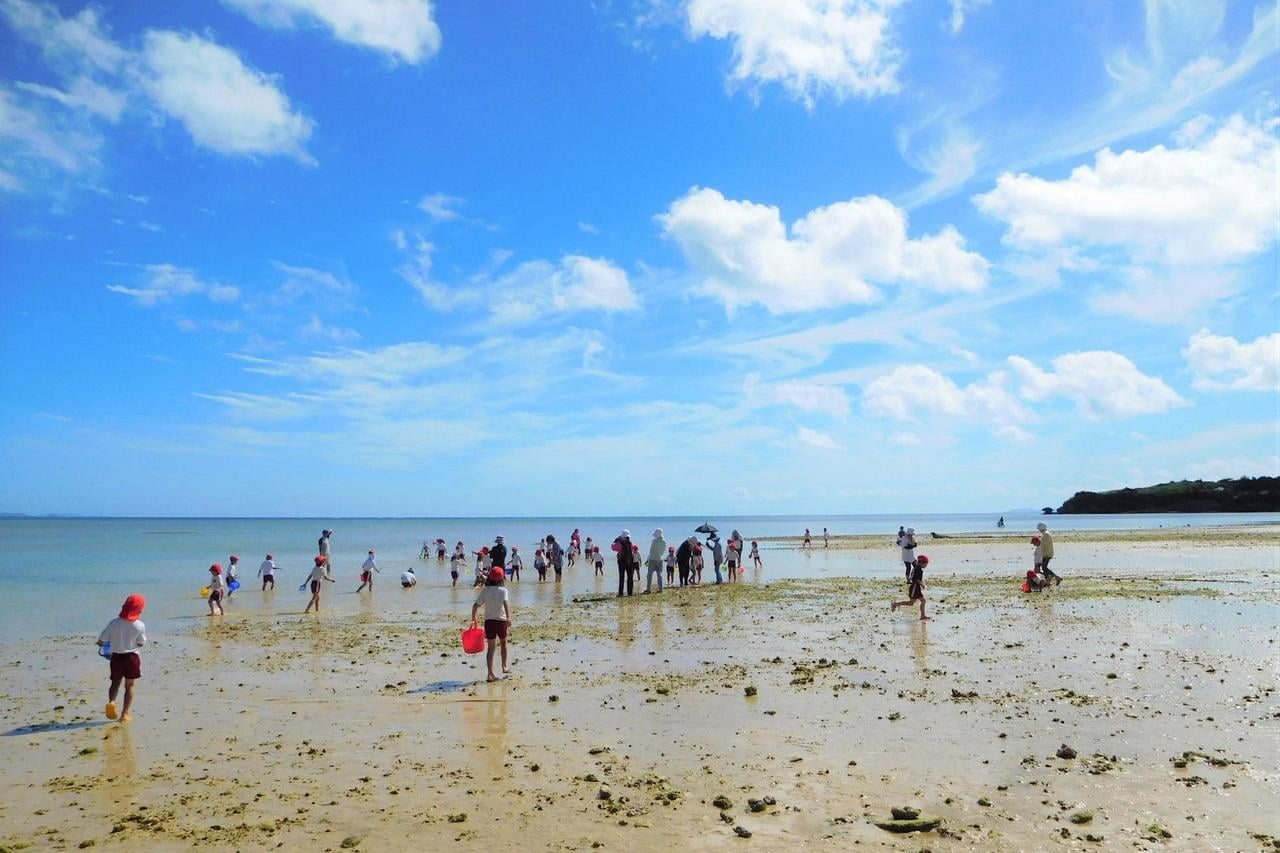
[
  {"x": 755, "y": 555},
  {"x": 217, "y": 588},
  {"x": 122, "y": 638},
  {"x": 916, "y": 590},
  {"x": 497, "y": 617}
]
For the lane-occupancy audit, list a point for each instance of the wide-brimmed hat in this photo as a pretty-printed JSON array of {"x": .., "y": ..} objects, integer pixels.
[{"x": 657, "y": 533}]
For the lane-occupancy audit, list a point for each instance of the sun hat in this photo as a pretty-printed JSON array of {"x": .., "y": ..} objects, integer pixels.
[
  {"x": 922, "y": 560},
  {"x": 215, "y": 569},
  {"x": 1035, "y": 540},
  {"x": 132, "y": 608},
  {"x": 657, "y": 533},
  {"x": 911, "y": 530},
  {"x": 626, "y": 534},
  {"x": 497, "y": 539},
  {"x": 234, "y": 558},
  {"x": 496, "y": 574},
  {"x": 1042, "y": 527},
  {"x": 320, "y": 561}
]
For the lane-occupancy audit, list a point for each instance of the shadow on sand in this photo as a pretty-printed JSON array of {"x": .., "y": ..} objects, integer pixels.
[{"x": 41, "y": 728}]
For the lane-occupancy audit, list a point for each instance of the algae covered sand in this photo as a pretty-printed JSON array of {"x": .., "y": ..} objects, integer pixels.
[{"x": 629, "y": 725}]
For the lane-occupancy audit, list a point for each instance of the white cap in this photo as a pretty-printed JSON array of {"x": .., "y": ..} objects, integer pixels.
[
  {"x": 1042, "y": 527},
  {"x": 626, "y": 533},
  {"x": 657, "y": 533},
  {"x": 911, "y": 530}
]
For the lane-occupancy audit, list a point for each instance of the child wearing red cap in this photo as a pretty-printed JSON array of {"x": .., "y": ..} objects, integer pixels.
[
  {"x": 121, "y": 639},
  {"x": 319, "y": 573},
  {"x": 217, "y": 588},
  {"x": 916, "y": 587},
  {"x": 497, "y": 617}
]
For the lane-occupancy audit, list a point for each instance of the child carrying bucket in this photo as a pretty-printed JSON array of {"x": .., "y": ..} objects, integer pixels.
[{"x": 497, "y": 617}]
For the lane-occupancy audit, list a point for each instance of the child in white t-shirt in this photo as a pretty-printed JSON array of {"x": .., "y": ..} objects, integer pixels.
[
  {"x": 121, "y": 639},
  {"x": 515, "y": 563},
  {"x": 670, "y": 561},
  {"x": 497, "y": 617},
  {"x": 217, "y": 589},
  {"x": 267, "y": 571},
  {"x": 755, "y": 555},
  {"x": 456, "y": 565}
]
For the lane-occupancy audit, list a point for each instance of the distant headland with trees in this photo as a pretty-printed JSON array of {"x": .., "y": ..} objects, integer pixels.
[{"x": 1244, "y": 494}]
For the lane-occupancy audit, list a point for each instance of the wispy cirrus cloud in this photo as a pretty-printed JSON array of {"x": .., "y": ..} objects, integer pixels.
[{"x": 163, "y": 283}]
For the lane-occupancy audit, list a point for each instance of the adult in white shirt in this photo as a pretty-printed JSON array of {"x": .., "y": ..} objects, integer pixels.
[
  {"x": 408, "y": 578},
  {"x": 908, "y": 545},
  {"x": 267, "y": 571},
  {"x": 367, "y": 570}
]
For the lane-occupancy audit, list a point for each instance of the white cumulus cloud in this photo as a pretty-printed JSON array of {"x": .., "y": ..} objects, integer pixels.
[
  {"x": 842, "y": 47},
  {"x": 1100, "y": 383},
  {"x": 1213, "y": 200},
  {"x": 916, "y": 392},
  {"x": 225, "y": 105},
  {"x": 743, "y": 253},
  {"x": 1219, "y": 362},
  {"x": 404, "y": 29}
]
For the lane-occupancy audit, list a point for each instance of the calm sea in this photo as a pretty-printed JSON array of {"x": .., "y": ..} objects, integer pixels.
[{"x": 68, "y": 576}]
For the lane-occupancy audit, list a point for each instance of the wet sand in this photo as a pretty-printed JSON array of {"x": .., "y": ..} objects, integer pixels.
[{"x": 624, "y": 721}]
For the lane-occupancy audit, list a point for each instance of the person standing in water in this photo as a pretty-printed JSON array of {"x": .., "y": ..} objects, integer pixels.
[
  {"x": 717, "y": 554},
  {"x": 366, "y": 572},
  {"x": 319, "y": 574},
  {"x": 626, "y": 562},
  {"x": 657, "y": 553},
  {"x": 808, "y": 540},
  {"x": 267, "y": 571},
  {"x": 555, "y": 555},
  {"x": 322, "y": 547},
  {"x": 1046, "y": 554},
  {"x": 684, "y": 559},
  {"x": 826, "y": 540},
  {"x": 498, "y": 553},
  {"x": 217, "y": 589}
]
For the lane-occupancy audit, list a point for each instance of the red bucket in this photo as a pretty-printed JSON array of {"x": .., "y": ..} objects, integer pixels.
[{"x": 473, "y": 640}]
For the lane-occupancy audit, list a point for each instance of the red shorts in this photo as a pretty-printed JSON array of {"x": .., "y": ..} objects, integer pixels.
[
  {"x": 495, "y": 629},
  {"x": 126, "y": 666}
]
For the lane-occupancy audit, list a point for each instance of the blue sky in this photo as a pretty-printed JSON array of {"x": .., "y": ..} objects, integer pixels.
[{"x": 290, "y": 257}]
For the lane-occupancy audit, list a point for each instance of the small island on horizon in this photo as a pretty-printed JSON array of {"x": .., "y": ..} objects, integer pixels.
[{"x": 1243, "y": 494}]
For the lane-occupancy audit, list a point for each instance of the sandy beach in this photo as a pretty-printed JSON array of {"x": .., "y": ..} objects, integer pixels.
[{"x": 771, "y": 715}]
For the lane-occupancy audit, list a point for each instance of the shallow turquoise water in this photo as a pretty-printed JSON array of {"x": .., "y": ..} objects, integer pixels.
[{"x": 68, "y": 576}]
